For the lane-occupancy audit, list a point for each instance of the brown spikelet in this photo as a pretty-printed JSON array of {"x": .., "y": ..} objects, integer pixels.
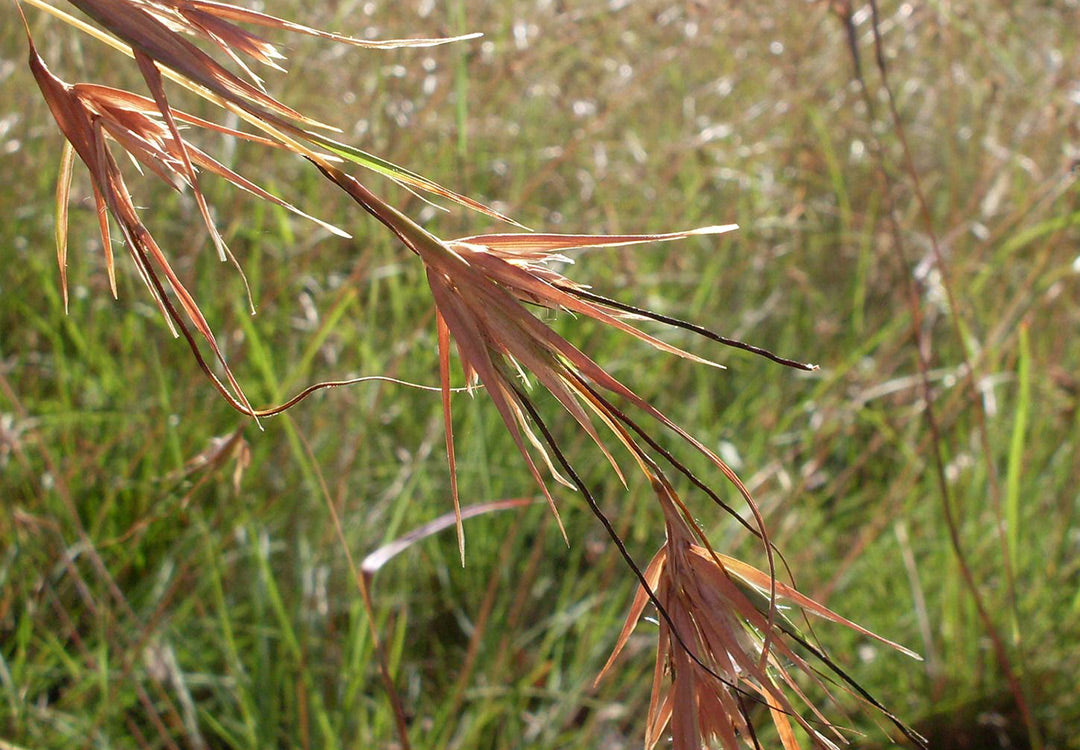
[
  {"x": 721, "y": 645},
  {"x": 482, "y": 288},
  {"x": 93, "y": 116},
  {"x": 86, "y": 123},
  {"x": 157, "y": 33}
]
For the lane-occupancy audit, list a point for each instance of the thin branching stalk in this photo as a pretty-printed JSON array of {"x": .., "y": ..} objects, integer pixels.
[{"x": 922, "y": 349}]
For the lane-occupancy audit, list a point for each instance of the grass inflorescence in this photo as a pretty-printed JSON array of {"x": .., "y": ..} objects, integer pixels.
[{"x": 172, "y": 576}]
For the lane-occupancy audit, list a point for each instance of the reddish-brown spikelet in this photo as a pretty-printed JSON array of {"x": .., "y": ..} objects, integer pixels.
[
  {"x": 712, "y": 640},
  {"x": 91, "y": 116},
  {"x": 157, "y": 35},
  {"x": 88, "y": 116},
  {"x": 481, "y": 286}
]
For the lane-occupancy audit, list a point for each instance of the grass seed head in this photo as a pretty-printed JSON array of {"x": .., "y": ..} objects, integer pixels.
[{"x": 724, "y": 646}]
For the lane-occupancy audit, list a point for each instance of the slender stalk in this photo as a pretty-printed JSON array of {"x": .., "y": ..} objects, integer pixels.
[{"x": 922, "y": 354}]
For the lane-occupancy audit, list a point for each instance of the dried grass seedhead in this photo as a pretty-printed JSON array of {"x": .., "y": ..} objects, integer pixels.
[
  {"x": 482, "y": 288},
  {"x": 723, "y": 642},
  {"x": 723, "y": 646},
  {"x": 94, "y": 117},
  {"x": 217, "y": 22},
  {"x": 89, "y": 116},
  {"x": 155, "y": 33}
]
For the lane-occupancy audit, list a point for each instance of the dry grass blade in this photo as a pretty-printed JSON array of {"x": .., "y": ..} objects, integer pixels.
[
  {"x": 63, "y": 193},
  {"x": 374, "y": 561},
  {"x": 210, "y": 15}
]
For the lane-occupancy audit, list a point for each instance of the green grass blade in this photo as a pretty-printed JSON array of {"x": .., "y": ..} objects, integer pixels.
[{"x": 1017, "y": 445}]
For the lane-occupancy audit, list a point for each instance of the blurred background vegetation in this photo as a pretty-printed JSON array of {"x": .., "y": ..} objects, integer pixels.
[{"x": 149, "y": 600}]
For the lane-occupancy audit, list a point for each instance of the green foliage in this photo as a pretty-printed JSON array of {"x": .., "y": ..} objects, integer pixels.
[{"x": 142, "y": 598}]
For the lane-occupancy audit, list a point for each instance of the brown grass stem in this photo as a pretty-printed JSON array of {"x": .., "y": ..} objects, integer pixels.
[{"x": 844, "y": 13}]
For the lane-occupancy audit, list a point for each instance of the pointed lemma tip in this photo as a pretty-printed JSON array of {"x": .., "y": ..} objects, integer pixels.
[{"x": 715, "y": 229}]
